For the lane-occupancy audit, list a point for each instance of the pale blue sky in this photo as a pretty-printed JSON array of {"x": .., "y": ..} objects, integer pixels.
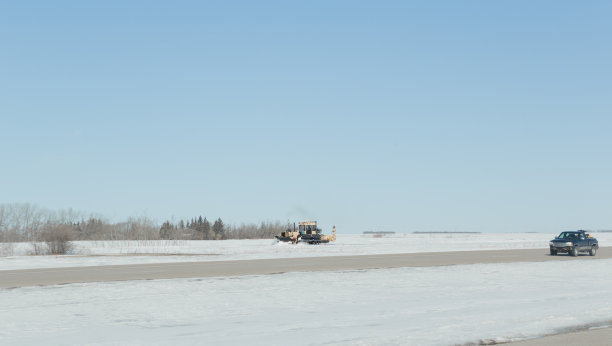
[{"x": 490, "y": 116}]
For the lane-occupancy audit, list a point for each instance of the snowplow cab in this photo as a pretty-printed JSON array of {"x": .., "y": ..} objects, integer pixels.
[
  {"x": 308, "y": 227},
  {"x": 309, "y": 233}
]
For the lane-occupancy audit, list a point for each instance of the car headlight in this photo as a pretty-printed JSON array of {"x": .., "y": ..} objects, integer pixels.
[{"x": 551, "y": 243}]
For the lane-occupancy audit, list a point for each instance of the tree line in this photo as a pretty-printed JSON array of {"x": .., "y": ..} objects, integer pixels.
[
  {"x": 201, "y": 229},
  {"x": 30, "y": 223}
]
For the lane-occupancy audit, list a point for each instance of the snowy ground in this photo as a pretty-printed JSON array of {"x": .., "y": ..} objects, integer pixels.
[
  {"x": 131, "y": 252},
  {"x": 409, "y": 306}
]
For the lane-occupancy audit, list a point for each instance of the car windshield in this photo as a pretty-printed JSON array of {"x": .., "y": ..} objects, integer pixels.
[{"x": 568, "y": 235}]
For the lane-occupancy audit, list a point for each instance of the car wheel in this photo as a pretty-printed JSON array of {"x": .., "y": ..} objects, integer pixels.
[
  {"x": 574, "y": 252},
  {"x": 593, "y": 251},
  {"x": 553, "y": 252}
]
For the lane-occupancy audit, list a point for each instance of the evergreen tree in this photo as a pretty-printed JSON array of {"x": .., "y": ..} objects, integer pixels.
[
  {"x": 165, "y": 232},
  {"x": 219, "y": 229},
  {"x": 206, "y": 228},
  {"x": 199, "y": 229}
]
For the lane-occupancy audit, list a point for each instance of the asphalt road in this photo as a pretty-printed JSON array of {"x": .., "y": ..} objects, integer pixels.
[
  {"x": 597, "y": 337},
  {"x": 55, "y": 276}
]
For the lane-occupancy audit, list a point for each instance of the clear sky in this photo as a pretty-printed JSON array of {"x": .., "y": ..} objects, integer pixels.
[{"x": 491, "y": 116}]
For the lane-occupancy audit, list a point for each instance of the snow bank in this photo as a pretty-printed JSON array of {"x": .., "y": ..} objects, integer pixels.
[{"x": 406, "y": 306}]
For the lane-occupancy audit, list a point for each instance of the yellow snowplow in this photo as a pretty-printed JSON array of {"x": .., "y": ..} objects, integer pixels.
[{"x": 307, "y": 232}]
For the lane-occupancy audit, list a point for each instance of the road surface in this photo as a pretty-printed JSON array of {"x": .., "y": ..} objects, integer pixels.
[
  {"x": 55, "y": 276},
  {"x": 596, "y": 337}
]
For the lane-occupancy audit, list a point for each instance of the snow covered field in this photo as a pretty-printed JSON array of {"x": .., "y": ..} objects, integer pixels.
[
  {"x": 132, "y": 252},
  {"x": 408, "y": 306}
]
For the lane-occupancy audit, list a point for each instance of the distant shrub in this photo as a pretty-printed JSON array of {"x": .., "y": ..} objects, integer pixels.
[{"x": 58, "y": 239}]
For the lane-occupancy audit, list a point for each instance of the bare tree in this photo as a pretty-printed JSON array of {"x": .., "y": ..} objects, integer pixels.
[{"x": 58, "y": 239}]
